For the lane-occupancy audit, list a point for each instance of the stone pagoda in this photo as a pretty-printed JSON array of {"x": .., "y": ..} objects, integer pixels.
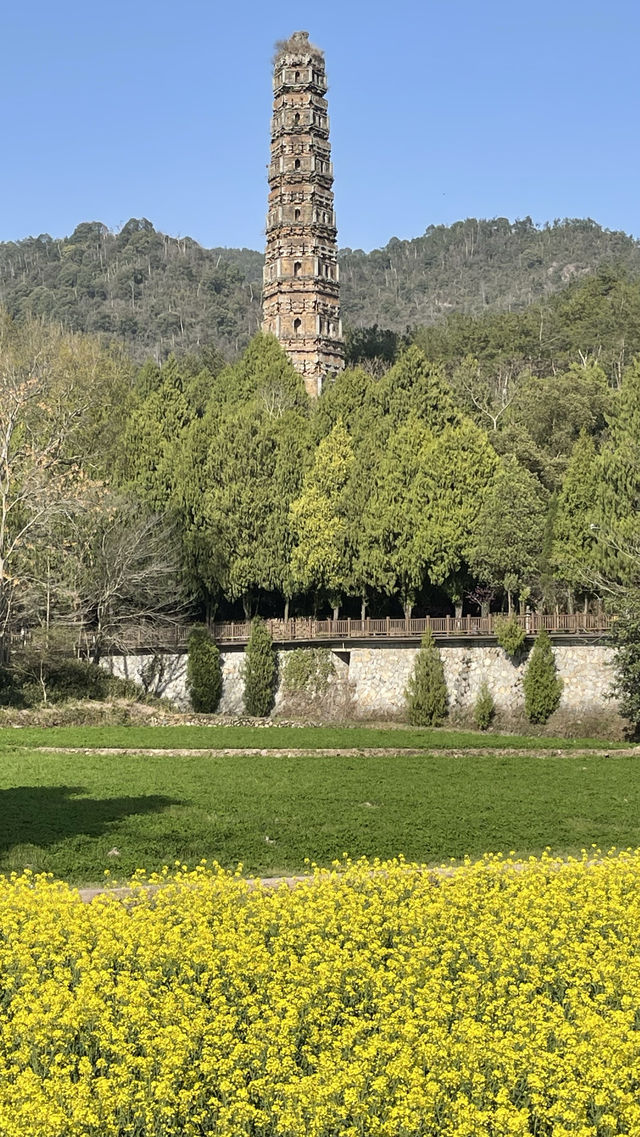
[{"x": 301, "y": 292}]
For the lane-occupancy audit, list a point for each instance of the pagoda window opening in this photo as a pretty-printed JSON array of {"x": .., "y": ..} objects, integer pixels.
[{"x": 297, "y": 324}]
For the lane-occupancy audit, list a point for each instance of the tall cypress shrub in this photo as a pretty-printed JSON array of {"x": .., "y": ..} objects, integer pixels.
[
  {"x": 542, "y": 687},
  {"x": 260, "y": 671},
  {"x": 625, "y": 639},
  {"x": 427, "y": 690},
  {"x": 204, "y": 674}
]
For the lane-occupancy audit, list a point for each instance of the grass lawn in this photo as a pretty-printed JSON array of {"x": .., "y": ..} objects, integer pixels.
[
  {"x": 64, "y": 813},
  {"x": 282, "y": 737}
]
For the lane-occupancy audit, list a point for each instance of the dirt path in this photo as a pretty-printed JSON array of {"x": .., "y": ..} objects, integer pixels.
[
  {"x": 337, "y": 752},
  {"x": 122, "y": 893}
]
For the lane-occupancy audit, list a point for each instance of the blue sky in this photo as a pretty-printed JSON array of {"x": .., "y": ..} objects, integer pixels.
[{"x": 440, "y": 110}]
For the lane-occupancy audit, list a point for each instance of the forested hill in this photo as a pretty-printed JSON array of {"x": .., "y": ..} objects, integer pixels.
[
  {"x": 163, "y": 294},
  {"x": 475, "y": 266}
]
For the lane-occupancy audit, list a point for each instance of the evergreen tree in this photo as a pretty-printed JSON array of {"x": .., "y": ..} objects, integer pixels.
[
  {"x": 484, "y": 708},
  {"x": 389, "y": 552},
  {"x": 351, "y": 397},
  {"x": 417, "y": 524},
  {"x": 153, "y": 439},
  {"x": 245, "y": 468},
  {"x": 625, "y": 639},
  {"x": 456, "y": 470},
  {"x": 542, "y": 687},
  {"x": 416, "y": 386},
  {"x": 617, "y": 523},
  {"x": 510, "y": 635},
  {"x": 508, "y": 530},
  {"x": 427, "y": 690},
  {"x": 572, "y": 551},
  {"x": 204, "y": 674},
  {"x": 263, "y": 374},
  {"x": 318, "y": 517},
  {"x": 260, "y": 671}
]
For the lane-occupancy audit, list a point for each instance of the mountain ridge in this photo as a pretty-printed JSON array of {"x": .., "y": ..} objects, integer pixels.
[{"x": 161, "y": 294}]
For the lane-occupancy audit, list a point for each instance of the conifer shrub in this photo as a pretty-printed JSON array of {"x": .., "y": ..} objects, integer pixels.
[
  {"x": 542, "y": 687},
  {"x": 260, "y": 671},
  {"x": 625, "y": 639},
  {"x": 426, "y": 694},
  {"x": 204, "y": 674},
  {"x": 510, "y": 635},
  {"x": 485, "y": 708}
]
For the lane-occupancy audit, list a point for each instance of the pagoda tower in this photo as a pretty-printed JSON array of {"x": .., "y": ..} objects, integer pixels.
[{"x": 301, "y": 291}]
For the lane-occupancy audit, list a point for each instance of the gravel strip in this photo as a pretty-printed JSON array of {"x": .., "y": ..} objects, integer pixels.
[{"x": 329, "y": 752}]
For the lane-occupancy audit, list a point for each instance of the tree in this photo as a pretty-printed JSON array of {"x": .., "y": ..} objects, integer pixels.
[
  {"x": 204, "y": 676},
  {"x": 389, "y": 550},
  {"x": 318, "y": 518},
  {"x": 508, "y": 530},
  {"x": 121, "y": 571},
  {"x": 617, "y": 504},
  {"x": 240, "y": 468},
  {"x": 351, "y": 397},
  {"x": 542, "y": 687},
  {"x": 264, "y": 374},
  {"x": 572, "y": 550},
  {"x": 426, "y": 693},
  {"x": 41, "y": 481},
  {"x": 510, "y": 635},
  {"x": 484, "y": 708},
  {"x": 625, "y": 640},
  {"x": 374, "y": 348},
  {"x": 414, "y": 385},
  {"x": 153, "y": 438},
  {"x": 425, "y": 494},
  {"x": 554, "y": 410},
  {"x": 260, "y": 671},
  {"x": 486, "y": 392},
  {"x": 457, "y": 466},
  {"x": 251, "y": 472}
]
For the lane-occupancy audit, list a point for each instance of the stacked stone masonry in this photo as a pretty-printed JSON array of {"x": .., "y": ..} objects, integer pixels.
[
  {"x": 373, "y": 679},
  {"x": 301, "y": 282}
]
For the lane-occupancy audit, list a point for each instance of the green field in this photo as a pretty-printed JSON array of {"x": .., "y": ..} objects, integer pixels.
[
  {"x": 64, "y": 813},
  {"x": 282, "y": 737}
]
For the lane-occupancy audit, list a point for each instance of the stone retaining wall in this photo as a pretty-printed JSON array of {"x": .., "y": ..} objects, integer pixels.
[
  {"x": 378, "y": 677},
  {"x": 369, "y": 681}
]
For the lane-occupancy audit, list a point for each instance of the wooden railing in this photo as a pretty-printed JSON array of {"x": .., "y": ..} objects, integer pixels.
[
  {"x": 308, "y": 630},
  {"x": 141, "y": 638}
]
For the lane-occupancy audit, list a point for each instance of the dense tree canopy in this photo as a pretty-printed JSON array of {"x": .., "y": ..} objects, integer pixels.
[{"x": 488, "y": 456}]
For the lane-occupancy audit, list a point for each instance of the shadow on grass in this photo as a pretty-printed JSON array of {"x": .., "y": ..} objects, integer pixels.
[{"x": 44, "y": 815}]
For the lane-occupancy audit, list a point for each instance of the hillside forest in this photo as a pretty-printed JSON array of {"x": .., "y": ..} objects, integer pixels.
[
  {"x": 163, "y": 294},
  {"x": 481, "y": 462}
]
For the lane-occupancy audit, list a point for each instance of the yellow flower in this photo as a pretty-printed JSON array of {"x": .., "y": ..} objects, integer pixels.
[{"x": 378, "y": 998}]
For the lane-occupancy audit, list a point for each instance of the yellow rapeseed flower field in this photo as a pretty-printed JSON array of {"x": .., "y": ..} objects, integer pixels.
[{"x": 379, "y": 999}]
